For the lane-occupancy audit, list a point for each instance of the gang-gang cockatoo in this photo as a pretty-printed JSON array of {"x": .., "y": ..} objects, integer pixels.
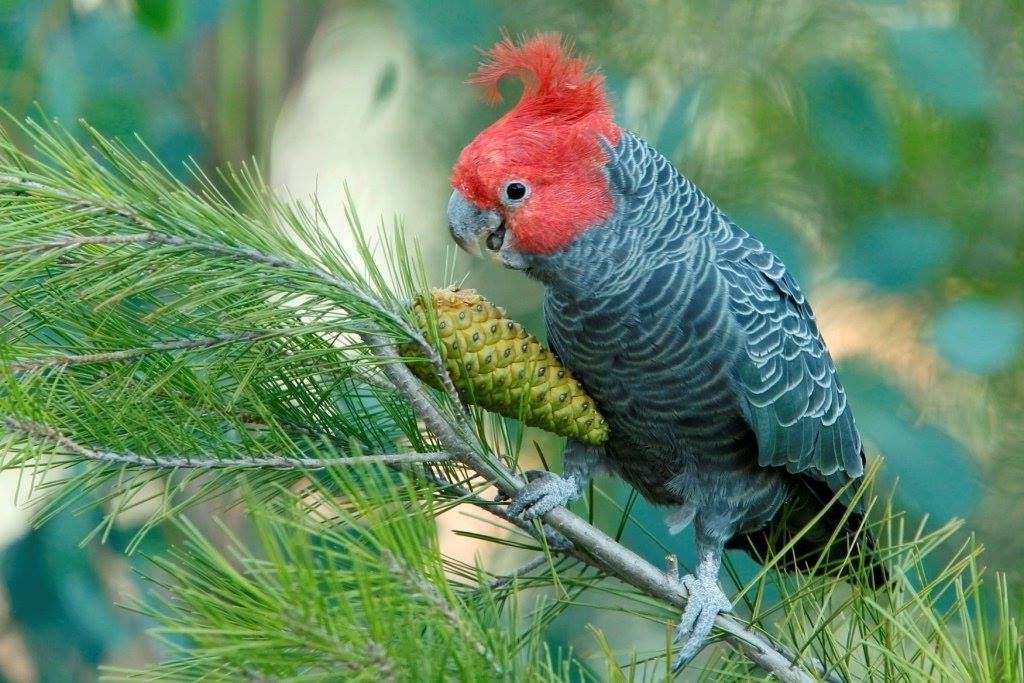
[{"x": 694, "y": 340}]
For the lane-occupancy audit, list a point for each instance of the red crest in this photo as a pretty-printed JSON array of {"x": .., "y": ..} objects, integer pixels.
[{"x": 550, "y": 138}]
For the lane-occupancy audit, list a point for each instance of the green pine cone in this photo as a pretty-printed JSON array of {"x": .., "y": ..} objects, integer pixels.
[{"x": 497, "y": 365}]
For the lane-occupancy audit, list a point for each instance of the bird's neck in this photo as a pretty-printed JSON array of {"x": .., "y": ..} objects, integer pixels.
[{"x": 658, "y": 214}]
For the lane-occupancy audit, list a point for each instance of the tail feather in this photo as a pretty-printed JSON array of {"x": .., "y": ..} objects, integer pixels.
[{"x": 854, "y": 547}]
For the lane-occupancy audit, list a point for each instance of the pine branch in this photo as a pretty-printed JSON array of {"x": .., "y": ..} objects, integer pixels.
[
  {"x": 145, "y": 322},
  {"x": 91, "y": 203},
  {"x": 551, "y": 539},
  {"x": 599, "y": 549},
  {"x": 429, "y": 591},
  {"x": 156, "y": 237},
  {"x": 519, "y": 572},
  {"x": 35, "y": 429},
  {"x": 454, "y": 431},
  {"x": 27, "y": 364}
]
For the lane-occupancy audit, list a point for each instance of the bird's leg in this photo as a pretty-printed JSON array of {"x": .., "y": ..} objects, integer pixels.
[
  {"x": 706, "y": 600},
  {"x": 546, "y": 490}
]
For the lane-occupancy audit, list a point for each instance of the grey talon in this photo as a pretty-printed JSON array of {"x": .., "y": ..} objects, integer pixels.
[
  {"x": 705, "y": 602},
  {"x": 544, "y": 492}
]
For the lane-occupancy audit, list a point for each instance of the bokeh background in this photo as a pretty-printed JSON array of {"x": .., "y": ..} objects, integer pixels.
[{"x": 876, "y": 145}]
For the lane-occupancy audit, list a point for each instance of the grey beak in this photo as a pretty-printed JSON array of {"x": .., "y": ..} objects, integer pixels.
[{"x": 470, "y": 225}]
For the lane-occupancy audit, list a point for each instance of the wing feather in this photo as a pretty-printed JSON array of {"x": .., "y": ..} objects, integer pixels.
[{"x": 787, "y": 381}]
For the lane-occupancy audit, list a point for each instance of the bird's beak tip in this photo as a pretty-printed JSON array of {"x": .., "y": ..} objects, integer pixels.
[
  {"x": 471, "y": 247},
  {"x": 469, "y": 224}
]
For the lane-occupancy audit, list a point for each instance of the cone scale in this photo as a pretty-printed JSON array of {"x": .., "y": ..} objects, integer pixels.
[{"x": 496, "y": 364}]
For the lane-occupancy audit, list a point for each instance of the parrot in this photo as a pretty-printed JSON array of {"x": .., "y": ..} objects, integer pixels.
[{"x": 693, "y": 339}]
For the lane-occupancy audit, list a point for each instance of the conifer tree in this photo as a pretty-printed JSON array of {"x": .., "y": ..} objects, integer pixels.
[{"x": 209, "y": 346}]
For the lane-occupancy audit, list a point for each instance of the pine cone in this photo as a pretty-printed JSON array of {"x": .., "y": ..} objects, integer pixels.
[{"x": 497, "y": 365}]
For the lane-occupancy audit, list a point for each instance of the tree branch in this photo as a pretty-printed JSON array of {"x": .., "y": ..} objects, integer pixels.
[
  {"x": 127, "y": 354},
  {"x": 93, "y": 203},
  {"x": 461, "y": 444},
  {"x": 591, "y": 544},
  {"x": 521, "y": 570},
  {"x": 38, "y": 430},
  {"x": 551, "y": 538},
  {"x": 430, "y": 593},
  {"x": 154, "y": 235}
]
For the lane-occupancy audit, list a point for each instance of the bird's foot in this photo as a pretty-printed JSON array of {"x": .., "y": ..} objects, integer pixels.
[
  {"x": 544, "y": 492},
  {"x": 706, "y": 601}
]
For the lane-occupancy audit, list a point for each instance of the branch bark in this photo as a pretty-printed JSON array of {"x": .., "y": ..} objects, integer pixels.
[
  {"x": 590, "y": 543},
  {"x": 83, "y": 201},
  {"x": 41, "y": 431},
  {"x": 521, "y": 570},
  {"x": 127, "y": 354}
]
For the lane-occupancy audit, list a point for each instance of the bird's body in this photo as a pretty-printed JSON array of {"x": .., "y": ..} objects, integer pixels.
[
  {"x": 693, "y": 338},
  {"x": 660, "y": 335},
  {"x": 651, "y": 336}
]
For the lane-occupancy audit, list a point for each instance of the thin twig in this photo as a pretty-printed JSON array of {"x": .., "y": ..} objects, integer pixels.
[
  {"x": 370, "y": 377},
  {"x": 80, "y": 241},
  {"x": 521, "y": 570},
  {"x": 431, "y": 593},
  {"x": 672, "y": 567},
  {"x": 460, "y": 437},
  {"x": 38, "y": 430},
  {"x": 591, "y": 544},
  {"x": 92, "y": 203},
  {"x": 378, "y": 656},
  {"x": 552, "y": 539},
  {"x": 601, "y": 550},
  {"x": 128, "y": 354}
]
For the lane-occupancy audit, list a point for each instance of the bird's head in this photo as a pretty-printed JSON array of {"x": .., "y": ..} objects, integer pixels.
[{"x": 534, "y": 180}]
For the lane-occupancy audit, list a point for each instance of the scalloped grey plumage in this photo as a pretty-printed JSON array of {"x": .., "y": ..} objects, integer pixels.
[{"x": 704, "y": 356}]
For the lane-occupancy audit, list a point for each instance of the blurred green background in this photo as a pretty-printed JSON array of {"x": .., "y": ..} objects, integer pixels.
[{"x": 876, "y": 145}]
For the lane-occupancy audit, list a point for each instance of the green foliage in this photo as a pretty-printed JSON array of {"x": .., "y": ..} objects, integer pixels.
[
  {"x": 945, "y": 67},
  {"x": 107, "y": 260},
  {"x": 159, "y": 68},
  {"x": 97, "y": 260},
  {"x": 450, "y": 28},
  {"x": 906, "y": 633},
  {"x": 849, "y": 121},
  {"x": 56, "y": 596},
  {"x": 898, "y": 251},
  {"x": 979, "y": 336},
  {"x": 915, "y": 449},
  {"x": 674, "y": 132},
  {"x": 346, "y": 582},
  {"x": 157, "y": 15}
]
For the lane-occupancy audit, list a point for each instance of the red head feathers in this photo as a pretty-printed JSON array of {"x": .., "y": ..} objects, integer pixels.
[{"x": 550, "y": 141}]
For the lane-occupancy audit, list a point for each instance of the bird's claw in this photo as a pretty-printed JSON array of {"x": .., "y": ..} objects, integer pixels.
[
  {"x": 544, "y": 492},
  {"x": 706, "y": 600}
]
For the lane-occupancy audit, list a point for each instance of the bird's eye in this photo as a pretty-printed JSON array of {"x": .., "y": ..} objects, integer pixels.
[{"x": 515, "y": 191}]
